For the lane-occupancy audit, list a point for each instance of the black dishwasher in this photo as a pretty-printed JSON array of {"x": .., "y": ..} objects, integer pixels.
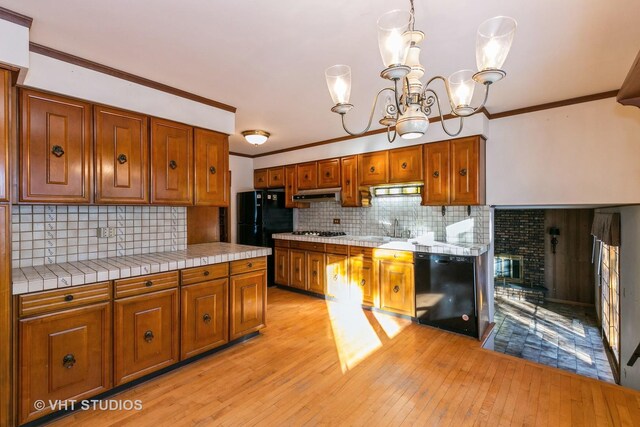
[{"x": 446, "y": 292}]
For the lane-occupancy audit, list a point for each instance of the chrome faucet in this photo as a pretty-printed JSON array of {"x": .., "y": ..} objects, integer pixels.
[{"x": 395, "y": 228}]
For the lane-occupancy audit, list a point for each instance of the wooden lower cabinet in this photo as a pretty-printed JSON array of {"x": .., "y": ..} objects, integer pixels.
[
  {"x": 315, "y": 272},
  {"x": 204, "y": 317},
  {"x": 248, "y": 303},
  {"x": 145, "y": 334},
  {"x": 337, "y": 271},
  {"x": 364, "y": 284},
  {"x": 281, "y": 265},
  {"x": 396, "y": 286},
  {"x": 63, "y": 356},
  {"x": 297, "y": 269}
]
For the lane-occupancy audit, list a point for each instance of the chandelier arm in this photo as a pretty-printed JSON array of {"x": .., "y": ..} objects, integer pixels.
[
  {"x": 444, "y": 128},
  {"x": 446, "y": 86},
  {"x": 398, "y": 99},
  {"x": 373, "y": 109},
  {"x": 395, "y": 133},
  {"x": 484, "y": 101}
]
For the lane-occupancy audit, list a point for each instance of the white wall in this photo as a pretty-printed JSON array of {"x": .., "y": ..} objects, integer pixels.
[
  {"x": 14, "y": 49},
  {"x": 69, "y": 79},
  {"x": 241, "y": 180},
  {"x": 582, "y": 154},
  {"x": 476, "y": 125},
  {"x": 630, "y": 292}
]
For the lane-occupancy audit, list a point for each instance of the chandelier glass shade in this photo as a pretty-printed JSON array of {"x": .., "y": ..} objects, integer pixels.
[{"x": 409, "y": 102}]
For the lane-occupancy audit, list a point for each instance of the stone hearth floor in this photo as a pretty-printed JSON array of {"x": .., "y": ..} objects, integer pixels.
[{"x": 559, "y": 335}]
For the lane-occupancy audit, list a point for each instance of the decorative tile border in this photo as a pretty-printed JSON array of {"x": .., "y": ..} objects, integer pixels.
[{"x": 55, "y": 276}]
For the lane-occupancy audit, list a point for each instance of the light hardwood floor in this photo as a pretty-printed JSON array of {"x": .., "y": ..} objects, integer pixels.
[{"x": 331, "y": 364}]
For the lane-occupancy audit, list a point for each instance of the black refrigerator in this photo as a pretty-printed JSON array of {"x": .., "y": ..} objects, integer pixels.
[{"x": 261, "y": 214}]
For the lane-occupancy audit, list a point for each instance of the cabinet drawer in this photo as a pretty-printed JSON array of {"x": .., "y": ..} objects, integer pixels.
[
  {"x": 361, "y": 250},
  {"x": 60, "y": 299},
  {"x": 204, "y": 273},
  {"x": 391, "y": 255},
  {"x": 282, "y": 243},
  {"x": 312, "y": 246},
  {"x": 330, "y": 248},
  {"x": 246, "y": 265},
  {"x": 145, "y": 284}
]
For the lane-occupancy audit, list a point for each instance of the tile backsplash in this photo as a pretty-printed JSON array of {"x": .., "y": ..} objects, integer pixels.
[
  {"x": 455, "y": 227},
  {"x": 48, "y": 234}
]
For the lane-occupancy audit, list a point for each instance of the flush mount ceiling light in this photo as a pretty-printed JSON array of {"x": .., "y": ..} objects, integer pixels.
[
  {"x": 256, "y": 137},
  {"x": 407, "y": 108}
]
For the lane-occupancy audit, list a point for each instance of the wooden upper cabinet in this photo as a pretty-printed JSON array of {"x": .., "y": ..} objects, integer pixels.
[
  {"x": 373, "y": 168},
  {"x": 275, "y": 177},
  {"x": 349, "y": 182},
  {"x": 436, "y": 173},
  {"x": 405, "y": 164},
  {"x": 211, "y": 168},
  {"x": 291, "y": 188},
  {"x": 55, "y": 149},
  {"x": 122, "y": 156},
  {"x": 307, "y": 176},
  {"x": 171, "y": 163},
  {"x": 467, "y": 171},
  {"x": 260, "y": 179},
  {"x": 329, "y": 173},
  {"x": 5, "y": 128}
]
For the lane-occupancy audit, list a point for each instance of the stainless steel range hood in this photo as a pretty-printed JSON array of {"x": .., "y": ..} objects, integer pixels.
[{"x": 320, "y": 195}]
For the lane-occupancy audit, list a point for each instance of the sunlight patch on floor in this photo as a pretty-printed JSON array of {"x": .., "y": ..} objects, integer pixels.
[{"x": 391, "y": 325}]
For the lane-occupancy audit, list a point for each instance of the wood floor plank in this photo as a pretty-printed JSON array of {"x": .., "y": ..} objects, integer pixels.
[{"x": 298, "y": 372}]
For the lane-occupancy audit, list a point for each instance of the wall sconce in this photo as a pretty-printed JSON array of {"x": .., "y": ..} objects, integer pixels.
[{"x": 554, "y": 232}]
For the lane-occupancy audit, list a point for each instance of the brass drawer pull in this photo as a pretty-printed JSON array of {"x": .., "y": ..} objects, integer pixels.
[
  {"x": 249, "y": 264},
  {"x": 212, "y": 169},
  {"x": 463, "y": 172},
  {"x": 206, "y": 318},
  {"x": 436, "y": 174},
  {"x": 68, "y": 297},
  {"x": 148, "y": 283},
  {"x": 68, "y": 361},
  {"x": 173, "y": 164},
  {"x": 122, "y": 159},
  {"x": 396, "y": 289},
  {"x": 57, "y": 151},
  {"x": 206, "y": 272},
  {"x": 404, "y": 165},
  {"x": 148, "y": 336}
]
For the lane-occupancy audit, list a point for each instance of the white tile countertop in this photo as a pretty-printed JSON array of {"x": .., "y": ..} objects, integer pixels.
[
  {"x": 54, "y": 276},
  {"x": 465, "y": 249}
]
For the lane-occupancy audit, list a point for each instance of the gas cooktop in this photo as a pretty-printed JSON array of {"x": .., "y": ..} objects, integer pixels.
[{"x": 319, "y": 233}]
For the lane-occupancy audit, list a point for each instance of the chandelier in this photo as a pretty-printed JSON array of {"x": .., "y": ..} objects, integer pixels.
[{"x": 407, "y": 107}]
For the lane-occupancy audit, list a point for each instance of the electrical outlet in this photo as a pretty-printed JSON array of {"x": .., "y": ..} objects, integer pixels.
[
  {"x": 105, "y": 232},
  {"x": 336, "y": 220}
]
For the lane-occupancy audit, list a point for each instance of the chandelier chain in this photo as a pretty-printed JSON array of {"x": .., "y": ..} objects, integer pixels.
[{"x": 413, "y": 16}]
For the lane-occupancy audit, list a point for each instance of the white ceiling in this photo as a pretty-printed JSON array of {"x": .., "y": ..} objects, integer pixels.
[{"x": 267, "y": 58}]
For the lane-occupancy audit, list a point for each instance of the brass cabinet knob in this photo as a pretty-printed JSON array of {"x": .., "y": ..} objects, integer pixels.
[
  {"x": 68, "y": 361},
  {"x": 122, "y": 159},
  {"x": 372, "y": 169},
  {"x": 314, "y": 273},
  {"x": 206, "y": 272},
  {"x": 57, "y": 151},
  {"x": 173, "y": 164},
  {"x": 348, "y": 182},
  {"x": 463, "y": 172},
  {"x": 403, "y": 165},
  {"x": 335, "y": 277},
  {"x": 436, "y": 174},
  {"x": 206, "y": 318},
  {"x": 363, "y": 282},
  {"x": 260, "y": 179},
  {"x": 68, "y": 297},
  {"x": 327, "y": 174},
  {"x": 148, "y": 336},
  {"x": 249, "y": 264},
  {"x": 396, "y": 289},
  {"x": 212, "y": 169},
  {"x": 148, "y": 283}
]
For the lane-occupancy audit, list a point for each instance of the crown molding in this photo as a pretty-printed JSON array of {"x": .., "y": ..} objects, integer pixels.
[
  {"x": 15, "y": 17},
  {"x": 85, "y": 63}
]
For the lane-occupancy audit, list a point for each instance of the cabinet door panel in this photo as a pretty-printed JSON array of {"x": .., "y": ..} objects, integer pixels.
[
  {"x": 65, "y": 355},
  {"x": 145, "y": 334},
  {"x": 298, "y": 270},
  {"x": 329, "y": 173},
  {"x": 307, "y": 176},
  {"x": 5, "y": 129},
  {"x": 436, "y": 174},
  {"x": 55, "y": 149},
  {"x": 275, "y": 177},
  {"x": 405, "y": 164},
  {"x": 315, "y": 272},
  {"x": 397, "y": 287},
  {"x": 205, "y": 317},
  {"x": 337, "y": 271},
  {"x": 248, "y": 303},
  {"x": 466, "y": 171},
  {"x": 211, "y": 168},
  {"x": 171, "y": 163},
  {"x": 122, "y": 156},
  {"x": 364, "y": 284},
  {"x": 350, "y": 190},
  {"x": 282, "y": 266},
  {"x": 374, "y": 168},
  {"x": 260, "y": 179}
]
